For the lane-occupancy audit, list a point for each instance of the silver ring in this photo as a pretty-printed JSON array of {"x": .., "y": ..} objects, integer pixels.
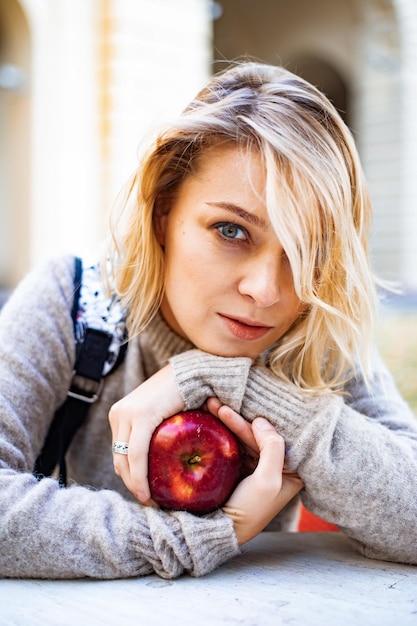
[{"x": 120, "y": 447}]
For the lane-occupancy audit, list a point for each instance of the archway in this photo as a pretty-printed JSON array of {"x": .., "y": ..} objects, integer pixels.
[{"x": 326, "y": 77}]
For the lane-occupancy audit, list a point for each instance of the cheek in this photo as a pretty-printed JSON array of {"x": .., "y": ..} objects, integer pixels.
[
  {"x": 180, "y": 238},
  {"x": 180, "y": 260},
  {"x": 184, "y": 271},
  {"x": 189, "y": 252}
]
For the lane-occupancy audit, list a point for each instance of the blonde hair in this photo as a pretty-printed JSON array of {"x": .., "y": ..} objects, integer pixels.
[{"x": 316, "y": 199}]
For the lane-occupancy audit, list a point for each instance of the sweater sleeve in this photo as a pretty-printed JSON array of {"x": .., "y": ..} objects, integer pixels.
[
  {"x": 357, "y": 454},
  {"x": 50, "y": 532}
]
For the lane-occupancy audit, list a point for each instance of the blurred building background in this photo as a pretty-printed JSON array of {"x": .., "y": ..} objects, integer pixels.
[{"x": 82, "y": 81}]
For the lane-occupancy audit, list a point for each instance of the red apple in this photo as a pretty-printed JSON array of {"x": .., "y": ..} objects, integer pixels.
[{"x": 194, "y": 462}]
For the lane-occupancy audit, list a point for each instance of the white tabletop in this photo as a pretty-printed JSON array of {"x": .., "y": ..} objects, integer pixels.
[{"x": 298, "y": 579}]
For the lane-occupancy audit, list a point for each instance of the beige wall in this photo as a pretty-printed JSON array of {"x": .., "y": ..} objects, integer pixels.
[
  {"x": 100, "y": 73},
  {"x": 407, "y": 19},
  {"x": 156, "y": 55},
  {"x": 15, "y": 144}
]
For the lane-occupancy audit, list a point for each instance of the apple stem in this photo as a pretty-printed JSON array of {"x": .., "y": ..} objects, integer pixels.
[{"x": 195, "y": 459}]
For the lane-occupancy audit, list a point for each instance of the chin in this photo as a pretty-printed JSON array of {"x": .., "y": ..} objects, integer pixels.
[{"x": 230, "y": 352}]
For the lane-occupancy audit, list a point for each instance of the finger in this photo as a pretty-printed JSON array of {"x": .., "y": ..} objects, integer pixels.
[
  {"x": 133, "y": 467},
  {"x": 213, "y": 405},
  {"x": 239, "y": 426},
  {"x": 272, "y": 451},
  {"x": 139, "y": 458},
  {"x": 121, "y": 461},
  {"x": 271, "y": 445},
  {"x": 291, "y": 485},
  {"x": 289, "y": 472}
]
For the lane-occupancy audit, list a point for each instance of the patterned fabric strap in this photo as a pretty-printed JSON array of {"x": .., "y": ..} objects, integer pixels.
[{"x": 97, "y": 310}]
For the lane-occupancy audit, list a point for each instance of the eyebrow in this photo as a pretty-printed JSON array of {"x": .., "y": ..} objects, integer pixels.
[{"x": 237, "y": 210}]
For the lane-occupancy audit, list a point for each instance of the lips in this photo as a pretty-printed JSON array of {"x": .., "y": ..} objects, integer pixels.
[{"x": 245, "y": 330}]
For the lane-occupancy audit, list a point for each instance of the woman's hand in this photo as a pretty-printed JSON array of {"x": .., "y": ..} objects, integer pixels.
[
  {"x": 133, "y": 420},
  {"x": 260, "y": 496},
  {"x": 257, "y": 499}
]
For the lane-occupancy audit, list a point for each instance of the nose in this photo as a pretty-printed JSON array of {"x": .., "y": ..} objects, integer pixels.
[{"x": 263, "y": 278}]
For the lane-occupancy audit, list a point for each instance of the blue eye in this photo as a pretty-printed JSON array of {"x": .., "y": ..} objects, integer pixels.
[{"x": 229, "y": 230}]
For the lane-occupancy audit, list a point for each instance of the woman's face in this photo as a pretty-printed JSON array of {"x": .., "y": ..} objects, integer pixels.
[{"x": 229, "y": 285}]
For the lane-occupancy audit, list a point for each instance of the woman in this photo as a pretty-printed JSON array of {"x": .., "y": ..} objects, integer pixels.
[{"x": 242, "y": 263}]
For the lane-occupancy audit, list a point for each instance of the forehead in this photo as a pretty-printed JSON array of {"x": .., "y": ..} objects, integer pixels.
[
  {"x": 229, "y": 166},
  {"x": 227, "y": 178}
]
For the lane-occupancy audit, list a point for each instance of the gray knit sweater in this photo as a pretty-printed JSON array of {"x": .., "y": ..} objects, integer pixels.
[{"x": 357, "y": 457}]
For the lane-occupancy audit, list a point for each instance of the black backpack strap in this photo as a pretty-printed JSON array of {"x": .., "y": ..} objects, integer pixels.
[
  {"x": 84, "y": 390},
  {"x": 78, "y": 275}
]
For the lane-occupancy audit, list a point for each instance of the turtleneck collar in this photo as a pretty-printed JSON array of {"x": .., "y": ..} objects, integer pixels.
[{"x": 159, "y": 343}]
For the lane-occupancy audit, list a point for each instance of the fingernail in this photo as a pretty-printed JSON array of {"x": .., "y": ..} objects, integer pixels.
[
  {"x": 142, "y": 496},
  {"x": 262, "y": 424}
]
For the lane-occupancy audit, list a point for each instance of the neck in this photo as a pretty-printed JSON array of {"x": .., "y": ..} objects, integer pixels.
[{"x": 159, "y": 343}]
